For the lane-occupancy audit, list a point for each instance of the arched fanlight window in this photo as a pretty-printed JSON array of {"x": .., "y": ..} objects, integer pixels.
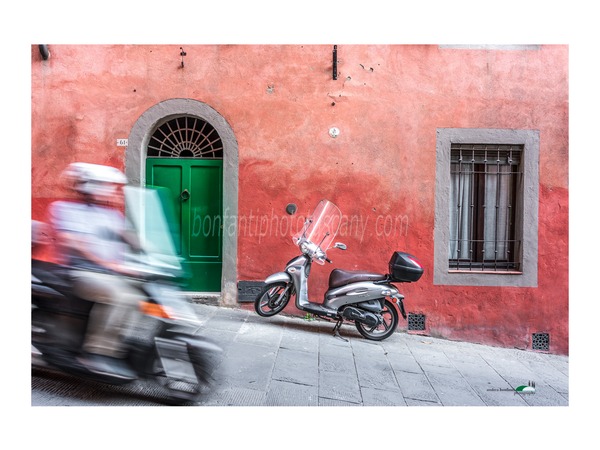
[{"x": 185, "y": 137}]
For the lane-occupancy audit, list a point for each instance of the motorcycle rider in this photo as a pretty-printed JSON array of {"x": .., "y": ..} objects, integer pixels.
[{"x": 91, "y": 239}]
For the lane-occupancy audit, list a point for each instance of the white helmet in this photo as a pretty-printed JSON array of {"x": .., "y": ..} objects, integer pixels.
[{"x": 93, "y": 179}]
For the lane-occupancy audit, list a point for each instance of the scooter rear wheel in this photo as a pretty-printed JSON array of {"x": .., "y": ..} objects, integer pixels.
[
  {"x": 383, "y": 330},
  {"x": 272, "y": 299}
]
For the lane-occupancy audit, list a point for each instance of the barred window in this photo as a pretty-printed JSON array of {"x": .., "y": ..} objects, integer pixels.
[{"x": 484, "y": 209}]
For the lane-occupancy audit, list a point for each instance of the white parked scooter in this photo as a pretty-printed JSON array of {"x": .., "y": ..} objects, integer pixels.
[{"x": 365, "y": 298}]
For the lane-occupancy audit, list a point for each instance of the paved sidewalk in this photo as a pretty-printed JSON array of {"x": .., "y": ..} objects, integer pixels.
[{"x": 289, "y": 361}]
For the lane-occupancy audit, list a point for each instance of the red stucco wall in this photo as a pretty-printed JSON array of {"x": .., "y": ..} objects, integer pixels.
[{"x": 387, "y": 103}]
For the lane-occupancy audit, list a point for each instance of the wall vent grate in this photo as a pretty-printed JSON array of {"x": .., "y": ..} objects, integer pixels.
[
  {"x": 248, "y": 290},
  {"x": 416, "y": 322},
  {"x": 540, "y": 341}
]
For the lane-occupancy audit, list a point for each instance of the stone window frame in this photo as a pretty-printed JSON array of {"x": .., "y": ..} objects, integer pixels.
[{"x": 530, "y": 200}]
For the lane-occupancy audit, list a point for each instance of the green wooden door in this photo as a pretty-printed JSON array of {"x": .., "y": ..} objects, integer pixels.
[{"x": 195, "y": 191}]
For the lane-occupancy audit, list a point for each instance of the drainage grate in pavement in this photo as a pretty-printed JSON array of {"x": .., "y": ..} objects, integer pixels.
[
  {"x": 540, "y": 341},
  {"x": 416, "y": 322}
]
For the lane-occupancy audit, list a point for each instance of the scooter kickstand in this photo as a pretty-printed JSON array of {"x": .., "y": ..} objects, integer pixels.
[{"x": 336, "y": 331}]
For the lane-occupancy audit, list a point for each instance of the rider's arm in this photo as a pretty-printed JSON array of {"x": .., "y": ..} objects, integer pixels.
[
  {"x": 79, "y": 243},
  {"x": 131, "y": 239},
  {"x": 74, "y": 236}
]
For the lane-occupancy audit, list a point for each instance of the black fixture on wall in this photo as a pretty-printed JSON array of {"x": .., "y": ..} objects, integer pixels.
[
  {"x": 182, "y": 54},
  {"x": 44, "y": 51},
  {"x": 335, "y": 74}
]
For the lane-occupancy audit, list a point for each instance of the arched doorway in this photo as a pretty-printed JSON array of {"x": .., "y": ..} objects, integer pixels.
[{"x": 187, "y": 146}]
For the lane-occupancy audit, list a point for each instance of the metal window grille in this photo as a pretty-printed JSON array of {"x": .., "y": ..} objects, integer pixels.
[
  {"x": 486, "y": 182},
  {"x": 185, "y": 137}
]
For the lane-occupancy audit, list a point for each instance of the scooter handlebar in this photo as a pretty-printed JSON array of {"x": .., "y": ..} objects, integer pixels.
[
  {"x": 314, "y": 251},
  {"x": 144, "y": 267}
]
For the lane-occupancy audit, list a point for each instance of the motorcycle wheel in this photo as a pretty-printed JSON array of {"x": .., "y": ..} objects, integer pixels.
[
  {"x": 272, "y": 299},
  {"x": 385, "y": 329}
]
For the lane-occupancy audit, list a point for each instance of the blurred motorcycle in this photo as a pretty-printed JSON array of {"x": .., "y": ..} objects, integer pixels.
[{"x": 165, "y": 345}]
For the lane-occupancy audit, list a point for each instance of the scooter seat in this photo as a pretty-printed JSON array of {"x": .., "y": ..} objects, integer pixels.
[
  {"x": 52, "y": 289},
  {"x": 51, "y": 274},
  {"x": 339, "y": 277}
]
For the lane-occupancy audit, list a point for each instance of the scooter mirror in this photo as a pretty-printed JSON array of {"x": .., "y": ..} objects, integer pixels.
[{"x": 340, "y": 246}]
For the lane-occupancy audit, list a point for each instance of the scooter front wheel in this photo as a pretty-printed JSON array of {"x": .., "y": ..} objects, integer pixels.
[
  {"x": 272, "y": 299},
  {"x": 384, "y": 329}
]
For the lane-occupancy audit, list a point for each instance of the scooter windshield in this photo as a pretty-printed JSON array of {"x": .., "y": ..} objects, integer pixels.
[
  {"x": 145, "y": 213},
  {"x": 322, "y": 225}
]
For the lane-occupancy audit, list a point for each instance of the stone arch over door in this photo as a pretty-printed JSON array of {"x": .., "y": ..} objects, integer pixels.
[{"x": 135, "y": 163}]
